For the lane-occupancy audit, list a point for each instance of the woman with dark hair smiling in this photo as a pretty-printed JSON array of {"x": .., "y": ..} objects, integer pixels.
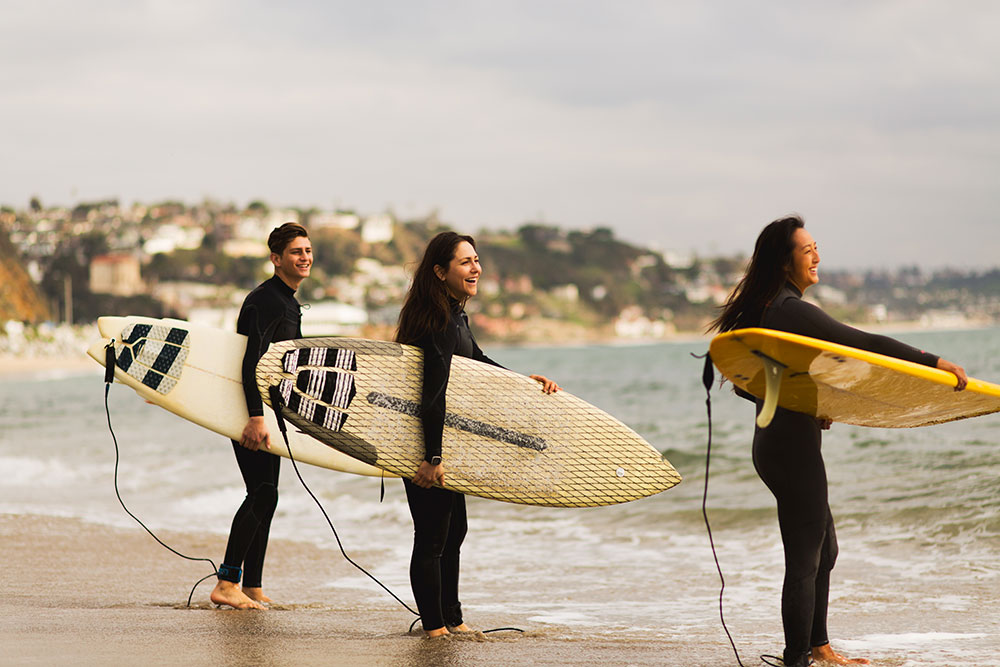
[
  {"x": 433, "y": 318},
  {"x": 786, "y": 454}
]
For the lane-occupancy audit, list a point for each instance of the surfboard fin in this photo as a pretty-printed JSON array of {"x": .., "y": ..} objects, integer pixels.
[{"x": 773, "y": 370}]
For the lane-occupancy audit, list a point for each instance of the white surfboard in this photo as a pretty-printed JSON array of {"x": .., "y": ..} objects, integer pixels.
[
  {"x": 503, "y": 437},
  {"x": 194, "y": 372}
]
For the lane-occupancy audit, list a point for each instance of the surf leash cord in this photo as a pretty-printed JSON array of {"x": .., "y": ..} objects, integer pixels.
[
  {"x": 109, "y": 377},
  {"x": 707, "y": 377},
  {"x": 276, "y": 403}
]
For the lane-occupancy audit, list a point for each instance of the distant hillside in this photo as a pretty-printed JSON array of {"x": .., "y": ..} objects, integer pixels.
[{"x": 19, "y": 298}]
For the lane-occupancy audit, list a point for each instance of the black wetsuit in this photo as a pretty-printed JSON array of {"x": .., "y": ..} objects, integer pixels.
[
  {"x": 270, "y": 313},
  {"x": 439, "y": 519},
  {"x": 787, "y": 457}
]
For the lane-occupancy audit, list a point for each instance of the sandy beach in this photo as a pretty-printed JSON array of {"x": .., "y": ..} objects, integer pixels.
[
  {"x": 92, "y": 595},
  {"x": 88, "y": 594},
  {"x": 13, "y": 367}
]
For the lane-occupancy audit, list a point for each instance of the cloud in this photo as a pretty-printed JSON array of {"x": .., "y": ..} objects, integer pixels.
[{"x": 686, "y": 124}]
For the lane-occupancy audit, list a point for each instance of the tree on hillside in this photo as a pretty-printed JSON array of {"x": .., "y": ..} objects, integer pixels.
[
  {"x": 258, "y": 208},
  {"x": 336, "y": 250}
]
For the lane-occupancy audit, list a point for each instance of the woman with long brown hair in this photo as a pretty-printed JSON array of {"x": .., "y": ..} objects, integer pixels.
[
  {"x": 433, "y": 318},
  {"x": 786, "y": 454}
]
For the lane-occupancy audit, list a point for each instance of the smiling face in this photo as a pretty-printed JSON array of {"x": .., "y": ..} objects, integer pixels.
[
  {"x": 461, "y": 276},
  {"x": 294, "y": 262},
  {"x": 805, "y": 258}
]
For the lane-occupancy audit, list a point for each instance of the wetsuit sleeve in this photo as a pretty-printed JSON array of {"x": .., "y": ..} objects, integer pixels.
[
  {"x": 258, "y": 325},
  {"x": 797, "y": 316},
  {"x": 438, "y": 350},
  {"x": 479, "y": 355}
]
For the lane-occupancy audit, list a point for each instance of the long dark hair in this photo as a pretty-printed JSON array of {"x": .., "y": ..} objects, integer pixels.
[
  {"x": 765, "y": 275},
  {"x": 426, "y": 308}
]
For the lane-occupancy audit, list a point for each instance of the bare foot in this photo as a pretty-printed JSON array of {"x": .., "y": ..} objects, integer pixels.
[
  {"x": 257, "y": 594},
  {"x": 826, "y": 655},
  {"x": 439, "y": 632},
  {"x": 228, "y": 593},
  {"x": 460, "y": 628}
]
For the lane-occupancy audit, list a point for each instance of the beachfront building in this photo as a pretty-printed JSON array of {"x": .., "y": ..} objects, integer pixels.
[
  {"x": 377, "y": 228},
  {"x": 116, "y": 274}
]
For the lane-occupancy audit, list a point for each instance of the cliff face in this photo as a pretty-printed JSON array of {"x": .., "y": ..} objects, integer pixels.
[{"x": 19, "y": 297}]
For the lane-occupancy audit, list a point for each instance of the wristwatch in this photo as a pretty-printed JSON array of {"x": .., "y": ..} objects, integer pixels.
[{"x": 435, "y": 461}]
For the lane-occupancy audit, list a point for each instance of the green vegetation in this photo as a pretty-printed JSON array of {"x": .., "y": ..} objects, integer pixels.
[{"x": 535, "y": 277}]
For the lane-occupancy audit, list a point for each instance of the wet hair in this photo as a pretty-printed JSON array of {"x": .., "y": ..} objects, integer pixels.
[
  {"x": 281, "y": 236},
  {"x": 426, "y": 308},
  {"x": 766, "y": 273}
]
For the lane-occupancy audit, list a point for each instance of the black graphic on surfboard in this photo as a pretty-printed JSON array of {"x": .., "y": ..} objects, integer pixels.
[
  {"x": 154, "y": 355},
  {"x": 334, "y": 390},
  {"x": 329, "y": 357},
  {"x": 473, "y": 426}
]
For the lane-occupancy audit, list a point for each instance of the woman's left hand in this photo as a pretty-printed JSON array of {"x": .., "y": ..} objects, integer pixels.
[
  {"x": 548, "y": 386},
  {"x": 428, "y": 475}
]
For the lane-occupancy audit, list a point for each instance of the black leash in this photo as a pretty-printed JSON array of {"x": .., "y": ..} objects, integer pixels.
[
  {"x": 276, "y": 404},
  {"x": 707, "y": 377},
  {"x": 109, "y": 377}
]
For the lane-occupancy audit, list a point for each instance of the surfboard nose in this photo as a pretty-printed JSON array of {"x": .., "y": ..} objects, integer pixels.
[{"x": 96, "y": 351}]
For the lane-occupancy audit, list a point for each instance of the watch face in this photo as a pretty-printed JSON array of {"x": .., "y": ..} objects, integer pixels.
[{"x": 435, "y": 460}]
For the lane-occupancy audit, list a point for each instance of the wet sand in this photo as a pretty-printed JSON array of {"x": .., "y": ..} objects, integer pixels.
[
  {"x": 93, "y": 595},
  {"x": 90, "y": 594}
]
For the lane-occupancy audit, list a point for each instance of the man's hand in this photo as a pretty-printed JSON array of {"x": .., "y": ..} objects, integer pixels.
[{"x": 255, "y": 435}]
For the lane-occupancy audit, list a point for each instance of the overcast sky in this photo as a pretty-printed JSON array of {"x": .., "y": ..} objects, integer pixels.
[{"x": 682, "y": 125}]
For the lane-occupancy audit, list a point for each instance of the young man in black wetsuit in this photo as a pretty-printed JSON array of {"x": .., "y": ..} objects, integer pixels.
[{"x": 270, "y": 314}]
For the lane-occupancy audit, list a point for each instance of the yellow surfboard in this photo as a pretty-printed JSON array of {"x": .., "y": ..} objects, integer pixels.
[{"x": 844, "y": 384}]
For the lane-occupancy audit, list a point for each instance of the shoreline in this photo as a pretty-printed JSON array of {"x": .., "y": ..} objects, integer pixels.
[
  {"x": 92, "y": 594},
  {"x": 68, "y": 597}
]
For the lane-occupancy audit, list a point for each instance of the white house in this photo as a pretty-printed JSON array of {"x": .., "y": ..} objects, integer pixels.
[{"x": 377, "y": 228}]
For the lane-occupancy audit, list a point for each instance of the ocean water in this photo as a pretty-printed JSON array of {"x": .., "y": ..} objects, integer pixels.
[{"x": 917, "y": 510}]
